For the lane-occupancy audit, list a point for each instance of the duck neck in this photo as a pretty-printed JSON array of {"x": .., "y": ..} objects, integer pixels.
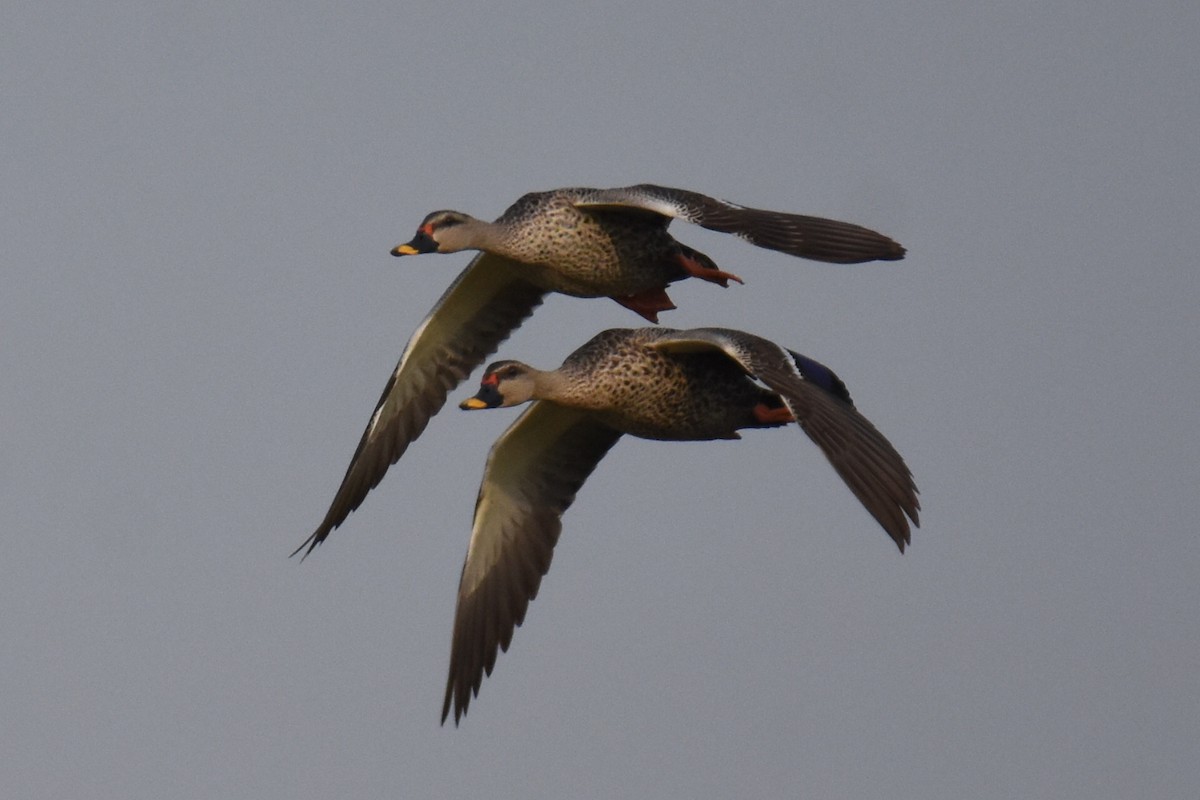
[
  {"x": 554, "y": 386},
  {"x": 486, "y": 236},
  {"x": 471, "y": 234}
]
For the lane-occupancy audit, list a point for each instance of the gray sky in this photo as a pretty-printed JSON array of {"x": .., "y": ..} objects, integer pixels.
[{"x": 199, "y": 311}]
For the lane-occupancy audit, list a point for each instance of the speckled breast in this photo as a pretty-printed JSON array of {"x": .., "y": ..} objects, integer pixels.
[
  {"x": 652, "y": 395},
  {"x": 588, "y": 254}
]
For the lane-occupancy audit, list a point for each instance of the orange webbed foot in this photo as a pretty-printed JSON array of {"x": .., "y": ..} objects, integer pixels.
[
  {"x": 697, "y": 268},
  {"x": 773, "y": 416},
  {"x": 647, "y": 303}
]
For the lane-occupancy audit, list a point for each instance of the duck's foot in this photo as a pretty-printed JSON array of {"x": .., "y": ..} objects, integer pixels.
[
  {"x": 698, "y": 265},
  {"x": 780, "y": 415},
  {"x": 647, "y": 303}
]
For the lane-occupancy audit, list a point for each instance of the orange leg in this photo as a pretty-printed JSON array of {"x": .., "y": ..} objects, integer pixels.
[
  {"x": 773, "y": 416},
  {"x": 704, "y": 272},
  {"x": 647, "y": 303}
]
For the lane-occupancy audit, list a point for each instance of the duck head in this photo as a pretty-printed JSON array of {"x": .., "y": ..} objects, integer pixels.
[
  {"x": 504, "y": 383},
  {"x": 441, "y": 232}
]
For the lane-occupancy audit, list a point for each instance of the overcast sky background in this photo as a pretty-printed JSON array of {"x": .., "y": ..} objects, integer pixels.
[{"x": 198, "y": 312}]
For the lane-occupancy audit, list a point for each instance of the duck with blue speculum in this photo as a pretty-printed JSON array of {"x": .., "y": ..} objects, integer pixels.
[{"x": 653, "y": 383}]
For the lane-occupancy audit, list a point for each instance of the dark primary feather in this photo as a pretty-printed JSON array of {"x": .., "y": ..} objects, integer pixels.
[
  {"x": 800, "y": 235},
  {"x": 862, "y": 456},
  {"x": 486, "y": 302},
  {"x": 546, "y": 455}
]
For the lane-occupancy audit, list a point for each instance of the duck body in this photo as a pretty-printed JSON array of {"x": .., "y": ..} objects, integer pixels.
[
  {"x": 565, "y": 241},
  {"x": 653, "y": 383},
  {"x": 585, "y": 253},
  {"x": 624, "y": 382}
]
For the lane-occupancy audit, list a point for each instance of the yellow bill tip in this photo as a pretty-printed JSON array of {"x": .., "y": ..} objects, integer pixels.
[{"x": 472, "y": 404}]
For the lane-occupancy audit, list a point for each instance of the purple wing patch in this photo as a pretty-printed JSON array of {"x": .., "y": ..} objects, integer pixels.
[{"x": 821, "y": 375}]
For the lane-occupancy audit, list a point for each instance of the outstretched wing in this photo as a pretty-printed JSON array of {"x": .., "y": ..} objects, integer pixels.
[
  {"x": 817, "y": 398},
  {"x": 816, "y": 238},
  {"x": 486, "y": 302},
  {"x": 532, "y": 474}
]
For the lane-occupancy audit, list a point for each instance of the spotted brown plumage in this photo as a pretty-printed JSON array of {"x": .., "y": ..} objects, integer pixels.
[
  {"x": 581, "y": 242},
  {"x": 653, "y": 383},
  {"x": 614, "y": 242}
]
